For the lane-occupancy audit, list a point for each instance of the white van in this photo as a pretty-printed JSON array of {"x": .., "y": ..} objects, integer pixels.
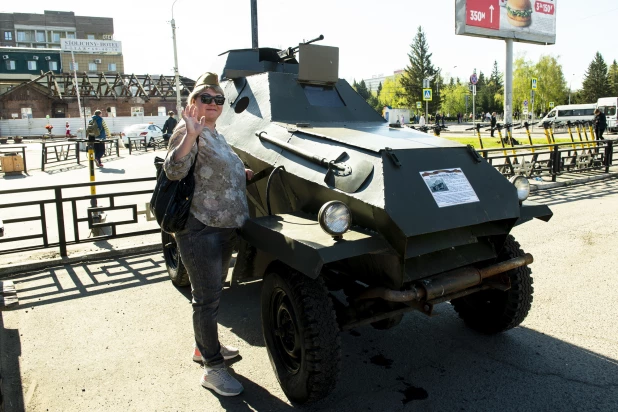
[
  {"x": 608, "y": 105},
  {"x": 572, "y": 112}
]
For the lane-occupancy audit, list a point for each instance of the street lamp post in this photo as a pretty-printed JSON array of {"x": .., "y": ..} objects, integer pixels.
[
  {"x": 570, "y": 82},
  {"x": 178, "y": 105}
]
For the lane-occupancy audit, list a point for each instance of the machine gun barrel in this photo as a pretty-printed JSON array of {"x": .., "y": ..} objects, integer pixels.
[{"x": 299, "y": 152}]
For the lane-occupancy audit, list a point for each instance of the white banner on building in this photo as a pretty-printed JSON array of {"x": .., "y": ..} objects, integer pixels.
[{"x": 91, "y": 46}]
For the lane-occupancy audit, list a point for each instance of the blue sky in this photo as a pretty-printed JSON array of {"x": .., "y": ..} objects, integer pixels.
[{"x": 373, "y": 37}]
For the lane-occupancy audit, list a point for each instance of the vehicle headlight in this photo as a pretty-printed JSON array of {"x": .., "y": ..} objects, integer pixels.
[
  {"x": 522, "y": 185},
  {"x": 335, "y": 218}
]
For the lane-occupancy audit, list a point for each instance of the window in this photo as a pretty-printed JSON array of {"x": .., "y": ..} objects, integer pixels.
[
  {"x": 87, "y": 112},
  {"x": 111, "y": 67},
  {"x": 53, "y": 65},
  {"x": 70, "y": 35},
  {"x": 162, "y": 111},
  {"x": 31, "y": 64},
  {"x": 40, "y": 37},
  {"x": 26, "y": 112},
  {"x": 8, "y": 35},
  {"x": 73, "y": 66},
  {"x": 137, "y": 111},
  {"x": 21, "y": 36},
  {"x": 56, "y": 37},
  {"x": 111, "y": 111},
  {"x": 92, "y": 67},
  {"x": 90, "y": 36},
  {"x": 10, "y": 64}
]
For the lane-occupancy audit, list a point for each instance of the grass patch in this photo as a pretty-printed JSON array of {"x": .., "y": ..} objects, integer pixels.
[{"x": 494, "y": 142}]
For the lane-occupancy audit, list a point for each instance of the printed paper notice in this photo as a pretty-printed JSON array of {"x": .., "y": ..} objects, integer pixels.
[{"x": 449, "y": 187}]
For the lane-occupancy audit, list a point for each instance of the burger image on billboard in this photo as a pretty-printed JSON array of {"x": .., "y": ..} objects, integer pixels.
[{"x": 519, "y": 12}]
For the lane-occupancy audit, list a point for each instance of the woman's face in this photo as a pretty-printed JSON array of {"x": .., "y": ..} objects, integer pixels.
[{"x": 211, "y": 111}]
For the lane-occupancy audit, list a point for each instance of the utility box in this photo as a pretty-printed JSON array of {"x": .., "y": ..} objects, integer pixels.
[{"x": 12, "y": 162}]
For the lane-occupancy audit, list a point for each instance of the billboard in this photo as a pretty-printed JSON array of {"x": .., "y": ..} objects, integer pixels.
[
  {"x": 529, "y": 21},
  {"x": 91, "y": 46}
]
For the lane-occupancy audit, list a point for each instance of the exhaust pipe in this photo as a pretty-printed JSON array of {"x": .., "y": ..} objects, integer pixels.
[{"x": 446, "y": 283}]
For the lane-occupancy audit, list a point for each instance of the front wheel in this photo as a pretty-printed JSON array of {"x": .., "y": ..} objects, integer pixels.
[
  {"x": 301, "y": 335},
  {"x": 492, "y": 311},
  {"x": 175, "y": 269}
]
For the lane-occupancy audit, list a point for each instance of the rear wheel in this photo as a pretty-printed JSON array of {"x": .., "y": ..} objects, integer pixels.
[
  {"x": 492, "y": 311},
  {"x": 175, "y": 269},
  {"x": 301, "y": 335}
]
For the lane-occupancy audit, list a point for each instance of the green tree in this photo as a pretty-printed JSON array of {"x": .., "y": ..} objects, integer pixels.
[
  {"x": 393, "y": 93},
  {"x": 379, "y": 89},
  {"x": 454, "y": 99},
  {"x": 420, "y": 67},
  {"x": 523, "y": 71},
  {"x": 613, "y": 78},
  {"x": 552, "y": 86},
  {"x": 596, "y": 83}
]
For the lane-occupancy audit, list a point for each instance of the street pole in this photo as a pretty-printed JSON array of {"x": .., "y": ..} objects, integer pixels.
[
  {"x": 254, "y": 24},
  {"x": 178, "y": 105},
  {"x": 508, "y": 83}
]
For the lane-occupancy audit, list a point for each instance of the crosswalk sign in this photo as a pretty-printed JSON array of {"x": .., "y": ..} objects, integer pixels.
[
  {"x": 427, "y": 94},
  {"x": 551, "y": 104},
  {"x": 418, "y": 105},
  {"x": 534, "y": 83}
]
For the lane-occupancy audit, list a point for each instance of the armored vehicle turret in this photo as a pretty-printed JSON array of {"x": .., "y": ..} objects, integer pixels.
[{"x": 354, "y": 222}]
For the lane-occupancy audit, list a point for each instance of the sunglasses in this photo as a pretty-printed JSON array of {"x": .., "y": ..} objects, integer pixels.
[{"x": 207, "y": 99}]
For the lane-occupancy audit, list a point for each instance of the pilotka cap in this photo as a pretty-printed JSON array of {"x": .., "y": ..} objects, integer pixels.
[{"x": 208, "y": 78}]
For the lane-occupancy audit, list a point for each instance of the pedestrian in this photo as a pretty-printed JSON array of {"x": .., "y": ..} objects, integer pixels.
[
  {"x": 68, "y": 128},
  {"x": 492, "y": 123},
  {"x": 600, "y": 123},
  {"x": 99, "y": 147},
  {"x": 437, "y": 118},
  {"x": 219, "y": 208},
  {"x": 402, "y": 120},
  {"x": 421, "y": 121},
  {"x": 168, "y": 127}
]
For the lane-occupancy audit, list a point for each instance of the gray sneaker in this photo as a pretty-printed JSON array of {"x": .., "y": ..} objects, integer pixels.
[
  {"x": 228, "y": 352},
  {"x": 220, "y": 381}
]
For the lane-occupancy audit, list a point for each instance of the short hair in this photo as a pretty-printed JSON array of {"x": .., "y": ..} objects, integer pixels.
[
  {"x": 96, "y": 112},
  {"x": 171, "y": 113},
  {"x": 597, "y": 111}
]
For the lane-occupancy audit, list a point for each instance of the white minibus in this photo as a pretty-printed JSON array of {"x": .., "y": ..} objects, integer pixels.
[{"x": 572, "y": 112}]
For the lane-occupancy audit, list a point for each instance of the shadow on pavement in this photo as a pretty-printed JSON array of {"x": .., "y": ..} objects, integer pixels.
[
  {"x": 573, "y": 193},
  {"x": 109, "y": 170},
  {"x": 11, "y": 391},
  {"x": 81, "y": 280}
]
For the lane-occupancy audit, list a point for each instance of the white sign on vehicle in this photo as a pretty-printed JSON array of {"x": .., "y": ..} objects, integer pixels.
[{"x": 449, "y": 187}]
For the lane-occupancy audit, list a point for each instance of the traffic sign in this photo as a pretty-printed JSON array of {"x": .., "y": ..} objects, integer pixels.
[
  {"x": 551, "y": 104},
  {"x": 427, "y": 94},
  {"x": 474, "y": 78},
  {"x": 425, "y": 83},
  {"x": 418, "y": 105},
  {"x": 534, "y": 83},
  {"x": 525, "y": 103},
  {"x": 483, "y": 13}
]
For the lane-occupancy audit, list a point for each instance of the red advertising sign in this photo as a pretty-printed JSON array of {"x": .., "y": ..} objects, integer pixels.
[
  {"x": 543, "y": 7},
  {"x": 483, "y": 13}
]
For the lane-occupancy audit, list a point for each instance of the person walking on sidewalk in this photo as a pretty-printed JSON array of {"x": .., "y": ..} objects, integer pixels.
[
  {"x": 493, "y": 123},
  {"x": 99, "y": 147},
  {"x": 219, "y": 208},
  {"x": 600, "y": 123}
]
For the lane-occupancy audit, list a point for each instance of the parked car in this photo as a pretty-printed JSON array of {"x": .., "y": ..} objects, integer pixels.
[{"x": 144, "y": 130}]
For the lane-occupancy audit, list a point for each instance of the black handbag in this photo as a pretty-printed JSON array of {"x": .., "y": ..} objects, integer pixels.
[{"x": 171, "y": 199}]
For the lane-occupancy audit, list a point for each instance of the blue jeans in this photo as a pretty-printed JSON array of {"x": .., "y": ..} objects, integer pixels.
[{"x": 206, "y": 252}]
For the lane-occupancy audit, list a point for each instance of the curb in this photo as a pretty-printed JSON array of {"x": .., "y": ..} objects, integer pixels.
[
  {"x": 10, "y": 270},
  {"x": 534, "y": 187}
]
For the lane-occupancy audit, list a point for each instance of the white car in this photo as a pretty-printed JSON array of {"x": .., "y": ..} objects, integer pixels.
[{"x": 144, "y": 130}]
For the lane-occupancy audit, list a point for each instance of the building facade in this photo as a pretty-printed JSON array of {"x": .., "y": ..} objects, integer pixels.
[{"x": 25, "y": 34}]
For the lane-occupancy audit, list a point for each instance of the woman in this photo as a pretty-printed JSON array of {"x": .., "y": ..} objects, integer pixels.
[
  {"x": 218, "y": 209},
  {"x": 600, "y": 123}
]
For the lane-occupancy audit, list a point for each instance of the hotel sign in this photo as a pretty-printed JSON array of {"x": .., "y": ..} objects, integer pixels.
[{"x": 91, "y": 46}]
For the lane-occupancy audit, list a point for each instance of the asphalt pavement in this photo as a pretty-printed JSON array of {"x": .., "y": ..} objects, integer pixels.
[{"x": 115, "y": 335}]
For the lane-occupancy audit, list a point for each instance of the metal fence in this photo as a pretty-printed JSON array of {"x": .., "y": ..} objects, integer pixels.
[
  {"x": 552, "y": 160},
  {"x": 25, "y": 217}
]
